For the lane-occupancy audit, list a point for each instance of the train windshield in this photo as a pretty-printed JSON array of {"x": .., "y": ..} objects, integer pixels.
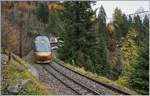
[
  {"x": 41, "y": 47},
  {"x": 42, "y": 44}
]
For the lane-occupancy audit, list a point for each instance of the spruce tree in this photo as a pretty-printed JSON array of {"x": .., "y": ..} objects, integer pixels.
[
  {"x": 43, "y": 13},
  {"x": 78, "y": 38},
  {"x": 145, "y": 32},
  {"x": 138, "y": 27},
  {"x": 102, "y": 65},
  {"x": 138, "y": 71},
  {"x": 55, "y": 24},
  {"x": 118, "y": 21},
  {"x": 124, "y": 25},
  {"x": 138, "y": 74}
]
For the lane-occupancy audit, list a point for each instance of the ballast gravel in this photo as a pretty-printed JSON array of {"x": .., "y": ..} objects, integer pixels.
[
  {"x": 68, "y": 82},
  {"x": 89, "y": 83},
  {"x": 55, "y": 86}
]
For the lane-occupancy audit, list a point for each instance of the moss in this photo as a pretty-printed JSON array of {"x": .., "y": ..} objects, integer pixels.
[{"x": 13, "y": 75}]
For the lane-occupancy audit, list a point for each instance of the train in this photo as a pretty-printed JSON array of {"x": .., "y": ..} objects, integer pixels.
[{"x": 42, "y": 50}]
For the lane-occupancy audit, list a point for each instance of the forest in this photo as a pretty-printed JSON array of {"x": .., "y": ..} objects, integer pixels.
[{"x": 118, "y": 50}]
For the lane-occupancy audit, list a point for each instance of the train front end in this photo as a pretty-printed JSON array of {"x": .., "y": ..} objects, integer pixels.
[{"x": 42, "y": 50}]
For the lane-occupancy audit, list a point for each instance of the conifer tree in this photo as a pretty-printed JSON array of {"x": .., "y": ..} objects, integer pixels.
[
  {"x": 138, "y": 27},
  {"x": 138, "y": 71},
  {"x": 55, "y": 26},
  {"x": 130, "y": 21},
  {"x": 78, "y": 38},
  {"x": 42, "y": 13},
  {"x": 138, "y": 74},
  {"x": 124, "y": 26},
  {"x": 118, "y": 21},
  {"x": 145, "y": 32},
  {"x": 102, "y": 65}
]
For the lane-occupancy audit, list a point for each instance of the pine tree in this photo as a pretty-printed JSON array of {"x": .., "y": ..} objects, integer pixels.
[
  {"x": 43, "y": 13},
  {"x": 138, "y": 71},
  {"x": 138, "y": 27},
  {"x": 55, "y": 26},
  {"x": 125, "y": 26},
  {"x": 118, "y": 21},
  {"x": 138, "y": 74},
  {"x": 118, "y": 69},
  {"x": 102, "y": 66},
  {"x": 145, "y": 32},
  {"x": 78, "y": 38}
]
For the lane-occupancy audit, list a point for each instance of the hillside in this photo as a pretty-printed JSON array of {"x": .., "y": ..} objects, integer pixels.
[{"x": 17, "y": 80}]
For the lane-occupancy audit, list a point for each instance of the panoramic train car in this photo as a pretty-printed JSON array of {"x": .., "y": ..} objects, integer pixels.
[{"x": 42, "y": 50}]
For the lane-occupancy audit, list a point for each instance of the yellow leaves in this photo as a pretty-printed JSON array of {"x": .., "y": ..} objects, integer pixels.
[
  {"x": 111, "y": 28},
  {"x": 23, "y": 6},
  {"x": 57, "y": 6},
  {"x": 129, "y": 46}
]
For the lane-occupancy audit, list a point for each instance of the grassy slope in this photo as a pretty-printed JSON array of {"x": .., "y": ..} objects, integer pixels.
[
  {"x": 117, "y": 84},
  {"x": 15, "y": 72}
]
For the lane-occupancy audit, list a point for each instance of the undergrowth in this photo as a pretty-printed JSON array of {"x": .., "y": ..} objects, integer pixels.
[{"x": 14, "y": 72}]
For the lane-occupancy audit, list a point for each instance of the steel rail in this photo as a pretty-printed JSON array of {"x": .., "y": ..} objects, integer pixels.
[
  {"x": 60, "y": 80},
  {"x": 83, "y": 86},
  {"x": 98, "y": 82}
]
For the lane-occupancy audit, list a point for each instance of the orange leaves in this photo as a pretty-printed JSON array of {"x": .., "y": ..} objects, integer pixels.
[
  {"x": 111, "y": 28},
  {"x": 57, "y": 6},
  {"x": 23, "y": 7}
]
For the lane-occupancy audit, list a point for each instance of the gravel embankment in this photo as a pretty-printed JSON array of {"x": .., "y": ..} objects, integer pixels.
[
  {"x": 52, "y": 83},
  {"x": 90, "y": 84}
]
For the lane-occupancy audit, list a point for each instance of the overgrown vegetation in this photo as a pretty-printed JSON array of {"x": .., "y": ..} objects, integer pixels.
[{"x": 14, "y": 72}]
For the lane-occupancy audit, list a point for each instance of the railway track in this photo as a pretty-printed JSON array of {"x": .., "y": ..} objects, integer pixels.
[
  {"x": 79, "y": 83},
  {"x": 75, "y": 86},
  {"x": 114, "y": 89}
]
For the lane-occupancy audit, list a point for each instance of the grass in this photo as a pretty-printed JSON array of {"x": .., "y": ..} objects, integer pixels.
[
  {"x": 15, "y": 72},
  {"x": 120, "y": 84}
]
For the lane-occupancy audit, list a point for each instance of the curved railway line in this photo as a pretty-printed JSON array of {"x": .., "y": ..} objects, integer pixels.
[
  {"x": 75, "y": 86},
  {"x": 79, "y": 83}
]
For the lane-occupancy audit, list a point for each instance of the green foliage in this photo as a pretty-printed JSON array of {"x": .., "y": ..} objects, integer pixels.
[
  {"x": 79, "y": 39},
  {"x": 117, "y": 69},
  {"x": 102, "y": 66},
  {"x": 121, "y": 24},
  {"x": 55, "y": 25},
  {"x": 15, "y": 72},
  {"x": 43, "y": 13},
  {"x": 138, "y": 72},
  {"x": 145, "y": 33},
  {"x": 137, "y": 25},
  {"x": 125, "y": 25}
]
